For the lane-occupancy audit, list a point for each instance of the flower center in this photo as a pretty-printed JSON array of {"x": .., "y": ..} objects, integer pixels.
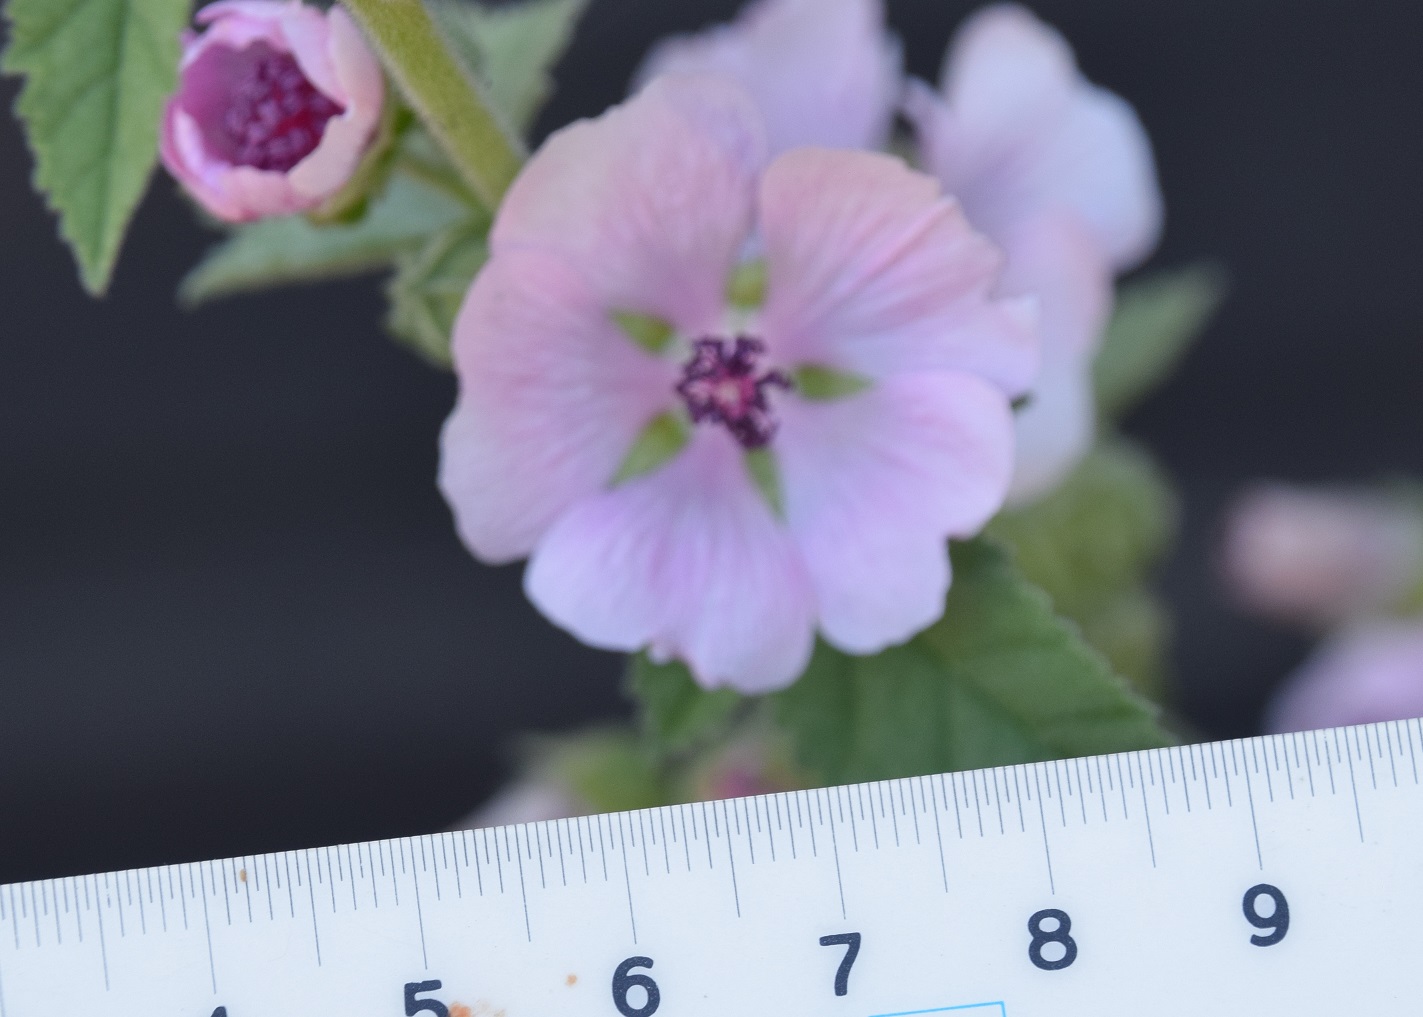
[
  {"x": 722, "y": 383},
  {"x": 275, "y": 116}
]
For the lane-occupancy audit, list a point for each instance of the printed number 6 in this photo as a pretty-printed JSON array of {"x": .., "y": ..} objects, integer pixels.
[{"x": 623, "y": 983}]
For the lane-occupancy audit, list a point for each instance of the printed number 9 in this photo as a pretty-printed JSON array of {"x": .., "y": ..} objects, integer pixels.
[
  {"x": 623, "y": 982},
  {"x": 1277, "y": 921}
]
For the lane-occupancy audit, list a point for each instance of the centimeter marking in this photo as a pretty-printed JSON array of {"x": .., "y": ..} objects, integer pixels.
[{"x": 94, "y": 926}]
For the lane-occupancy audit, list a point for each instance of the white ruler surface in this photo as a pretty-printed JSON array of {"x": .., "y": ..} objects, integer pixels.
[{"x": 1273, "y": 876}]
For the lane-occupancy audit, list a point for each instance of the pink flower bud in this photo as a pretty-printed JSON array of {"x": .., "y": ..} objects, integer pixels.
[
  {"x": 277, "y": 103},
  {"x": 1321, "y": 556}
]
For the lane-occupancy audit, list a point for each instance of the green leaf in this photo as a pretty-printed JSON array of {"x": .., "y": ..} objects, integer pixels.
[
  {"x": 1132, "y": 629},
  {"x": 608, "y": 769},
  {"x": 510, "y": 48},
  {"x": 824, "y": 383},
  {"x": 677, "y": 714},
  {"x": 648, "y": 331},
  {"x": 278, "y": 252},
  {"x": 1093, "y": 544},
  {"x": 1155, "y": 322},
  {"x": 1103, "y": 530},
  {"x": 430, "y": 285},
  {"x": 659, "y": 441},
  {"x": 999, "y": 679},
  {"x": 97, "y": 73}
]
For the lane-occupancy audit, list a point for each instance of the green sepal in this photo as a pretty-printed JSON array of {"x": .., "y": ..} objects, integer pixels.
[
  {"x": 1156, "y": 320},
  {"x": 97, "y": 74},
  {"x": 822, "y": 384},
  {"x": 765, "y": 473},
  {"x": 999, "y": 679},
  {"x": 746, "y": 288},
  {"x": 290, "y": 249},
  {"x": 429, "y": 286},
  {"x": 661, "y": 440},
  {"x": 676, "y": 714},
  {"x": 652, "y": 333}
]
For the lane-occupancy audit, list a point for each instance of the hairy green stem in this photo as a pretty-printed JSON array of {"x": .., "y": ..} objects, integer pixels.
[{"x": 458, "y": 116}]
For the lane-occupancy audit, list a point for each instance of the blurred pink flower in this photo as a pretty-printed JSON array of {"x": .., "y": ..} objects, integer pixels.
[
  {"x": 1060, "y": 174},
  {"x": 1366, "y": 673},
  {"x": 873, "y": 279},
  {"x": 754, "y": 763},
  {"x": 276, "y": 105},
  {"x": 824, "y": 72},
  {"x": 1321, "y": 556}
]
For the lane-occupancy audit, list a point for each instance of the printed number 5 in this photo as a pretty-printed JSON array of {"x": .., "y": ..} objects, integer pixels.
[
  {"x": 850, "y": 940},
  {"x": 414, "y": 1005}
]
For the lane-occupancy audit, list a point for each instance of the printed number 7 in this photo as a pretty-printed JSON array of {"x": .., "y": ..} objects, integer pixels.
[{"x": 851, "y": 941}]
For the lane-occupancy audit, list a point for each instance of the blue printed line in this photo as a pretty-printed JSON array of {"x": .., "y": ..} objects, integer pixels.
[{"x": 1002, "y": 1010}]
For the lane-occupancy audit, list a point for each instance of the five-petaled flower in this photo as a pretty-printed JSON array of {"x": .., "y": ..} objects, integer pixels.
[
  {"x": 1059, "y": 173},
  {"x": 722, "y": 402},
  {"x": 1055, "y": 171},
  {"x": 277, "y": 104}
]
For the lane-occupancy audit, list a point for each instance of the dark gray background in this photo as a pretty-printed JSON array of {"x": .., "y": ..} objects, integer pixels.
[{"x": 233, "y": 615}]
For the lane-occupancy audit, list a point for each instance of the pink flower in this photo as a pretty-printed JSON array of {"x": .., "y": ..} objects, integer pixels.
[
  {"x": 824, "y": 72},
  {"x": 1321, "y": 556},
  {"x": 1059, "y": 173},
  {"x": 276, "y": 105},
  {"x": 1367, "y": 673},
  {"x": 877, "y": 291}
]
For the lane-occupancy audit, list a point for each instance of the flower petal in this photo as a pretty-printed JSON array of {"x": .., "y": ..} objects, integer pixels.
[
  {"x": 652, "y": 201},
  {"x": 688, "y": 560},
  {"x": 871, "y": 271},
  {"x": 823, "y": 74},
  {"x": 1363, "y": 674},
  {"x": 876, "y": 484},
  {"x": 1055, "y": 258},
  {"x": 1018, "y": 131},
  {"x": 552, "y": 397},
  {"x": 1055, "y": 430}
]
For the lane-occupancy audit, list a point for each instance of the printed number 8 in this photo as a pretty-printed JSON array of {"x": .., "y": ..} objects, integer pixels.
[{"x": 1042, "y": 937}]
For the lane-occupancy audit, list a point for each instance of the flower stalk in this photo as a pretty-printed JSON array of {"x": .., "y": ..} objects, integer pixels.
[{"x": 452, "y": 106}]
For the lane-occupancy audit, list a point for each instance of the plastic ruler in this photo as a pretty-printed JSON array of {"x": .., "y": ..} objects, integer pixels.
[{"x": 1272, "y": 876}]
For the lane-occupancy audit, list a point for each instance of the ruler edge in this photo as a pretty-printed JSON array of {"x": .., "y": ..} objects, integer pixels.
[{"x": 1341, "y": 733}]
